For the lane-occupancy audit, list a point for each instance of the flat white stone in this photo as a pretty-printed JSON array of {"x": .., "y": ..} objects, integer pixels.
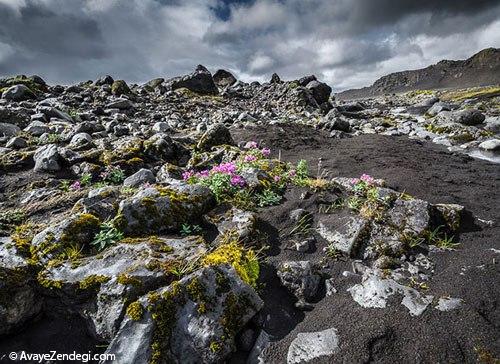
[{"x": 308, "y": 346}]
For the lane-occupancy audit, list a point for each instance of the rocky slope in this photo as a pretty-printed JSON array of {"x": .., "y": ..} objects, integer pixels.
[
  {"x": 482, "y": 69},
  {"x": 201, "y": 219}
]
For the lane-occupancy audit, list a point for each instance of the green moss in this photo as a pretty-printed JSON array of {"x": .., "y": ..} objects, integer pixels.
[
  {"x": 22, "y": 237},
  {"x": 48, "y": 283},
  {"x": 163, "y": 311},
  {"x": 127, "y": 280},
  {"x": 215, "y": 347},
  {"x": 197, "y": 293},
  {"x": 234, "y": 305},
  {"x": 80, "y": 226},
  {"x": 461, "y": 138},
  {"x": 92, "y": 282},
  {"x": 135, "y": 311}
]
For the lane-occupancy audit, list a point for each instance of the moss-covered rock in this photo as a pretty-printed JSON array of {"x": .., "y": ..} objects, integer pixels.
[
  {"x": 75, "y": 231},
  {"x": 120, "y": 87},
  {"x": 19, "y": 301},
  {"x": 154, "y": 210},
  {"x": 191, "y": 320}
]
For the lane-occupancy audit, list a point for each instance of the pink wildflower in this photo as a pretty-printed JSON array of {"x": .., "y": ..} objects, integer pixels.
[
  {"x": 226, "y": 168},
  {"x": 292, "y": 173},
  {"x": 187, "y": 175},
  {"x": 367, "y": 178},
  {"x": 266, "y": 152},
  {"x": 251, "y": 145},
  {"x": 76, "y": 186},
  {"x": 202, "y": 174},
  {"x": 277, "y": 178},
  {"x": 237, "y": 180},
  {"x": 355, "y": 181},
  {"x": 250, "y": 158}
]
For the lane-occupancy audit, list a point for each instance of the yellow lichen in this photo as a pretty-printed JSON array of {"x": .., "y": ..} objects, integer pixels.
[
  {"x": 135, "y": 311},
  {"x": 243, "y": 260}
]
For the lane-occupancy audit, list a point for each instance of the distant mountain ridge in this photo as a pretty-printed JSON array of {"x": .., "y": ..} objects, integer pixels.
[{"x": 482, "y": 69}]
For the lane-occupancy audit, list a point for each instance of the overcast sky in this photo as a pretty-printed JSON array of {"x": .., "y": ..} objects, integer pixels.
[{"x": 347, "y": 43}]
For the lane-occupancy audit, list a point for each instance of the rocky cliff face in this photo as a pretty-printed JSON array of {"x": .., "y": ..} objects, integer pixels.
[{"x": 481, "y": 69}]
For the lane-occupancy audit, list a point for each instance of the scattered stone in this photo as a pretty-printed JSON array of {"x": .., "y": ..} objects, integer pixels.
[
  {"x": 200, "y": 81},
  {"x": 217, "y": 134},
  {"x": 490, "y": 145},
  {"x": 344, "y": 233},
  {"x": 47, "y": 159},
  {"x": 139, "y": 178},
  {"x": 300, "y": 279},
  {"x": 448, "y": 303},
  {"x": 308, "y": 346},
  {"x": 18, "y": 93}
]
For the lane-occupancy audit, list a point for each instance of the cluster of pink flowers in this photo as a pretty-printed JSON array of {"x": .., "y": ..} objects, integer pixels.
[
  {"x": 250, "y": 158},
  {"x": 364, "y": 178},
  {"x": 228, "y": 168},
  {"x": 76, "y": 186},
  {"x": 237, "y": 180}
]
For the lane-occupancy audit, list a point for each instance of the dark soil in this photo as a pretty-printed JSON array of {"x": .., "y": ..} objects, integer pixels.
[{"x": 390, "y": 335}]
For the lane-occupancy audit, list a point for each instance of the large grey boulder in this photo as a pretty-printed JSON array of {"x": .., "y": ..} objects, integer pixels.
[
  {"x": 413, "y": 216},
  {"x": 37, "y": 128},
  {"x": 320, "y": 91},
  {"x": 121, "y": 104},
  {"x": 223, "y": 78},
  {"x": 47, "y": 159},
  {"x": 19, "y": 302},
  {"x": 101, "y": 202},
  {"x": 464, "y": 117},
  {"x": 53, "y": 112},
  {"x": 200, "y": 81},
  {"x": 122, "y": 273},
  {"x": 194, "y": 320},
  {"x": 154, "y": 210},
  {"x": 18, "y": 93},
  {"x": 334, "y": 121}
]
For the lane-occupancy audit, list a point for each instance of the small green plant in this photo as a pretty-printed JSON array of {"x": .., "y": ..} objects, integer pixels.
[
  {"x": 187, "y": 229},
  {"x": 113, "y": 174},
  {"x": 354, "y": 203},
  {"x": 13, "y": 217},
  {"x": 64, "y": 186},
  {"x": 303, "y": 226},
  {"x": 446, "y": 242},
  {"x": 301, "y": 172},
  {"x": 338, "y": 204},
  {"x": 332, "y": 252},
  {"x": 86, "y": 179},
  {"x": 107, "y": 236},
  {"x": 268, "y": 198}
]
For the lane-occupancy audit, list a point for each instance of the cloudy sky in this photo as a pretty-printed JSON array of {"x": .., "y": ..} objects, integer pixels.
[{"x": 347, "y": 43}]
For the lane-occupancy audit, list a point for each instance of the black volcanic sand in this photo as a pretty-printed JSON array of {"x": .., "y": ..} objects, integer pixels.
[{"x": 390, "y": 335}]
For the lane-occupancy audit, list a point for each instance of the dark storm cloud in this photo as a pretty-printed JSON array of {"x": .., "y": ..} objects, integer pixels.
[{"x": 349, "y": 43}]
